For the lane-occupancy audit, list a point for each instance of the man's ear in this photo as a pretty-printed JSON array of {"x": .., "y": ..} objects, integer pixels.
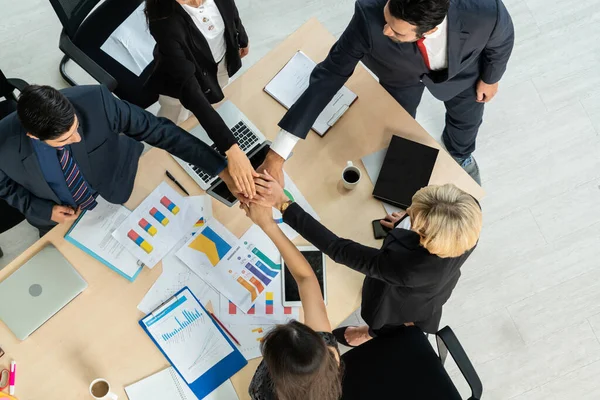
[
  {"x": 430, "y": 32},
  {"x": 31, "y": 136}
]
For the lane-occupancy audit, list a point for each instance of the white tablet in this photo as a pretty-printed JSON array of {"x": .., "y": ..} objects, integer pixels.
[{"x": 316, "y": 259}]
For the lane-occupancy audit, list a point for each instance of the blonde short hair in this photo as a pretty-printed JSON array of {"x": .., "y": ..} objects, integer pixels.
[{"x": 447, "y": 219}]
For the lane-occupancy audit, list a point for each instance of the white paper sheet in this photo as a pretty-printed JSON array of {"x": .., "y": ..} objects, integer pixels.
[
  {"x": 221, "y": 259},
  {"x": 168, "y": 233},
  {"x": 188, "y": 336},
  {"x": 293, "y": 193},
  {"x": 373, "y": 163},
  {"x": 293, "y": 79},
  {"x": 168, "y": 385},
  {"x": 93, "y": 232},
  {"x": 250, "y": 338}
]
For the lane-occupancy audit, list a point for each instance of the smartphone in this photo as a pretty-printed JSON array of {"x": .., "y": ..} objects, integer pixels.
[
  {"x": 379, "y": 231},
  {"x": 316, "y": 259}
]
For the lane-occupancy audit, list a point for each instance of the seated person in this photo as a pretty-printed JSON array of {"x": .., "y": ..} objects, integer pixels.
[
  {"x": 62, "y": 149},
  {"x": 410, "y": 278},
  {"x": 300, "y": 361},
  {"x": 199, "y": 45}
]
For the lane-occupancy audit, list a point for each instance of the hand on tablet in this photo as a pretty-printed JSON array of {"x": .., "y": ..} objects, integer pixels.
[{"x": 390, "y": 220}]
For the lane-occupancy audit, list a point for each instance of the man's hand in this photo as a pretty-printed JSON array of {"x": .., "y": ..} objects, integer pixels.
[
  {"x": 244, "y": 51},
  {"x": 390, "y": 220},
  {"x": 274, "y": 164},
  {"x": 486, "y": 92},
  {"x": 62, "y": 214},
  {"x": 241, "y": 171},
  {"x": 269, "y": 193}
]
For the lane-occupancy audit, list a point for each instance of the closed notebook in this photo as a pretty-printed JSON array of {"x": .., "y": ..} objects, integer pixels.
[
  {"x": 168, "y": 385},
  {"x": 407, "y": 167}
]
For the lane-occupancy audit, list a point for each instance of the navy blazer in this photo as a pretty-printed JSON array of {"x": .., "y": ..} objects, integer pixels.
[
  {"x": 404, "y": 282},
  {"x": 107, "y": 159},
  {"x": 480, "y": 41}
]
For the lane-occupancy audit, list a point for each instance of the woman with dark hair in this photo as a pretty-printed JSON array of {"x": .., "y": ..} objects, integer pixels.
[
  {"x": 300, "y": 361},
  {"x": 199, "y": 45}
]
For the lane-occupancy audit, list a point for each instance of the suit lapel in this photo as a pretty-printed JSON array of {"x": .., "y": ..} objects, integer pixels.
[
  {"x": 456, "y": 40},
  {"x": 32, "y": 168}
]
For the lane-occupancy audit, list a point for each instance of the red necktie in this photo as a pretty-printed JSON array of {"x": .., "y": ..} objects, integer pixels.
[{"x": 423, "y": 50}]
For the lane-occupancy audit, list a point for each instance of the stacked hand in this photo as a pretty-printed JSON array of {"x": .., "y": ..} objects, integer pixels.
[{"x": 240, "y": 173}]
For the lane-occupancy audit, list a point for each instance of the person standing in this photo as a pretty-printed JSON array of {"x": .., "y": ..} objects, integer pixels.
[
  {"x": 199, "y": 45},
  {"x": 458, "y": 49},
  {"x": 410, "y": 278},
  {"x": 62, "y": 149}
]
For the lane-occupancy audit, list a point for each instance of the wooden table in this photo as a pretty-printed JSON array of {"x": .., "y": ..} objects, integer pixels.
[{"x": 97, "y": 335}]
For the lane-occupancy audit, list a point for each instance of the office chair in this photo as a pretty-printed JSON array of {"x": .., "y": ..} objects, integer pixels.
[
  {"x": 404, "y": 365},
  {"x": 85, "y": 29},
  {"x": 10, "y": 215}
]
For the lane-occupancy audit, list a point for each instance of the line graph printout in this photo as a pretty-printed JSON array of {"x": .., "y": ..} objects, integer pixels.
[
  {"x": 228, "y": 265},
  {"x": 188, "y": 336}
]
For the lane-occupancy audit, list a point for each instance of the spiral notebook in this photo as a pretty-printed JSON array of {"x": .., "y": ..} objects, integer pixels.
[{"x": 167, "y": 384}]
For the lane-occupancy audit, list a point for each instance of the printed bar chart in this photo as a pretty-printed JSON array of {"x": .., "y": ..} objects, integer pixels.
[
  {"x": 269, "y": 303},
  {"x": 169, "y": 205},
  {"x": 189, "y": 318},
  {"x": 137, "y": 239},
  {"x": 164, "y": 221},
  {"x": 145, "y": 225}
]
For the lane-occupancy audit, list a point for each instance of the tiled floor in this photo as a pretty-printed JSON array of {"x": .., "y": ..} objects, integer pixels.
[{"x": 527, "y": 308}]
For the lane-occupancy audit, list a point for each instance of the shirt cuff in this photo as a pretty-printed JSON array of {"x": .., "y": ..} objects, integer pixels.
[{"x": 284, "y": 144}]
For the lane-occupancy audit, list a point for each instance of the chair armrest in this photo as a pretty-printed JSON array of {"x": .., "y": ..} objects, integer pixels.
[
  {"x": 90, "y": 66},
  {"x": 448, "y": 342},
  {"x": 17, "y": 83}
]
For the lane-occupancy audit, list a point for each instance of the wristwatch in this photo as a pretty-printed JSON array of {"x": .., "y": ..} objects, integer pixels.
[{"x": 285, "y": 206}]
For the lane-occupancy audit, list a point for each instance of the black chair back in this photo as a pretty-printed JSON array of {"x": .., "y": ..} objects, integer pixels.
[{"x": 72, "y": 13}]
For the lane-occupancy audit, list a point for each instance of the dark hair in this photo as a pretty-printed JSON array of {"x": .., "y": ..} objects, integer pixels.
[
  {"x": 425, "y": 14},
  {"x": 300, "y": 364},
  {"x": 44, "y": 112},
  {"x": 158, "y": 9}
]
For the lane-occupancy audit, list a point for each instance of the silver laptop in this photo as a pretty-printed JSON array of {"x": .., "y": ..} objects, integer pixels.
[
  {"x": 247, "y": 135},
  {"x": 40, "y": 288}
]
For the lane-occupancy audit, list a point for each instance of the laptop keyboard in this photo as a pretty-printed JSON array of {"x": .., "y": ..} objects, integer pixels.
[{"x": 246, "y": 140}]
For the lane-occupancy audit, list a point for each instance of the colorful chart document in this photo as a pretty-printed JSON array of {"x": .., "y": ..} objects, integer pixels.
[
  {"x": 268, "y": 308},
  {"x": 294, "y": 194},
  {"x": 193, "y": 343},
  {"x": 157, "y": 225},
  {"x": 226, "y": 264},
  {"x": 93, "y": 234}
]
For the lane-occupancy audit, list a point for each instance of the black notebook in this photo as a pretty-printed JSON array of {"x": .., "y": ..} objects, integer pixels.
[{"x": 406, "y": 168}]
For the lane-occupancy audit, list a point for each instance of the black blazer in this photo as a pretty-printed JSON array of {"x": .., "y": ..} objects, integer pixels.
[
  {"x": 403, "y": 283},
  {"x": 184, "y": 67},
  {"x": 107, "y": 158},
  {"x": 480, "y": 41}
]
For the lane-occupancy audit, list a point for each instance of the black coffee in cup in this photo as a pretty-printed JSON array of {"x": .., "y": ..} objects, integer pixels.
[
  {"x": 351, "y": 176},
  {"x": 100, "y": 389}
]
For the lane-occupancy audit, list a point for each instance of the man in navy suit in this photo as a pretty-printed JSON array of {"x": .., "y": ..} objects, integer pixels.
[
  {"x": 458, "y": 49},
  {"x": 62, "y": 149}
]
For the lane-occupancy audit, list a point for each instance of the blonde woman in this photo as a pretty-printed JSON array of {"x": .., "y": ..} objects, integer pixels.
[{"x": 412, "y": 275}]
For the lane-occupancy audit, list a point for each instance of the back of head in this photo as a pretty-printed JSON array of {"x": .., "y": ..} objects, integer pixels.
[
  {"x": 300, "y": 364},
  {"x": 45, "y": 112},
  {"x": 158, "y": 9},
  {"x": 447, "y": 219},
  {"x": 424, "y": 14}
]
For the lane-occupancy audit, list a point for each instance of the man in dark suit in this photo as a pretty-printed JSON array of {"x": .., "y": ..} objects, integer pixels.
[
  {"x": 62, "y": 149},
  {"x": 458, "y": 49}
]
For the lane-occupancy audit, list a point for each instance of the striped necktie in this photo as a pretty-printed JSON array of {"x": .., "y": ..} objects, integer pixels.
[{"x": 79, "y": 188}]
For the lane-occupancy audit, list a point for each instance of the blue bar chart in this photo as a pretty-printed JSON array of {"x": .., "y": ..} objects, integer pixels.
[{"x": 187, "y": 319}]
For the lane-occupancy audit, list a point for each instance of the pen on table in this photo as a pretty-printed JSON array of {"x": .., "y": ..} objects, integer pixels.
[
  {"x": 225, "y": 329},
  {"x": 12, "y": 377},
  {"x": 172, "y": 178}
]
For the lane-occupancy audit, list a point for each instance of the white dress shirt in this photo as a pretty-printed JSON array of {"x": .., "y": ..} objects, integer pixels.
[
  {"x": 209, "y": 21},
  {"x": 437, "y": 51}
]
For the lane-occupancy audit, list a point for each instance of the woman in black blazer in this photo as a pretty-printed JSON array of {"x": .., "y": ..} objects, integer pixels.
[
  {"x": 199, "y": 45},
  {"x": 410, "y": 278}
]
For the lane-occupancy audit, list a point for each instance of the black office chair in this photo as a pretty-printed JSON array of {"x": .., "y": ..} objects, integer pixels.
[
  {"x": 85, "y": 30},
  {"x": 10, "y": 216},
  {"x": 403, "y": 365}
]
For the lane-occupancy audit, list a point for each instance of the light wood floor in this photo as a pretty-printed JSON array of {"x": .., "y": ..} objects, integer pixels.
[{"x": 527, "y": 308}]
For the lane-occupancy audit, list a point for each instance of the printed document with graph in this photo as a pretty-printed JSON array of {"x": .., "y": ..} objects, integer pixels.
[{"x": 193, "y": 343}]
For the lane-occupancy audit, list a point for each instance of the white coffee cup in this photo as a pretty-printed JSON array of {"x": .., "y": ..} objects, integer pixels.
[
  {"x": 351, "y": 176},
  {"x": 100, "y": 390}
]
